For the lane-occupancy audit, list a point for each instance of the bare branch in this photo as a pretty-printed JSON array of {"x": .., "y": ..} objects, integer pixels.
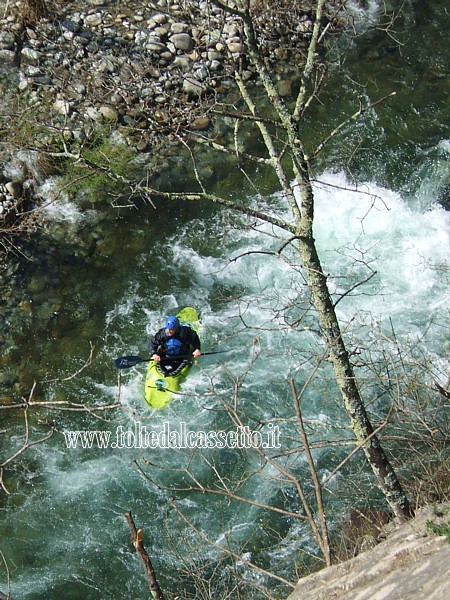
[
  {"x": 227, "y": 550},
  {"x": 351, "y": 119},
  {"x": 138, "y": 543}
]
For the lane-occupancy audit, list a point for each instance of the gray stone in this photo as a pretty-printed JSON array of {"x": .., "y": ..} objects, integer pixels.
[
  {"x": 159, "y": 18},
  {"x": 30, "y": 55},
  {"x": 192, "y": 87},
  {"x": 93, "y": 20},
  {"x": 62, "y": 107},
  {"x": 182, "y": 62},
  {"x": 154, "y": 46},
  {"x": 182, "y": 41},
  {"x": 92, "y": 113},
  {"x": 7, "y": 40},
  {"x": 8, "y": 59},
  {"x": 410, "y": 564},
  {"x": 23, "y": 85},
  {"x": 179, "y": 28},
  {"x": 235, "y": 47}
]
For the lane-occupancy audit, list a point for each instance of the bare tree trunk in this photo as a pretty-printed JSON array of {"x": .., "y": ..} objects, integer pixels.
[
  {"x": 346, "y": 380},
  {"x": 303, "y": 214}
]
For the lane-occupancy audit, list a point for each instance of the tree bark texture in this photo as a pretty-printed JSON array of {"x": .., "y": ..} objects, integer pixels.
[
  {"x": 303, "y": 214},
  {"x": 137, "y": 541}
]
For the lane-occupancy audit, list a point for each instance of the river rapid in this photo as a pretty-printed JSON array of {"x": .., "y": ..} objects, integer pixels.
[{"x": 104, "y": 280}]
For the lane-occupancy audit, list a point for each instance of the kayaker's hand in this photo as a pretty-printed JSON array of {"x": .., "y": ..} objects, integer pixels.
[
  {"x": 196, "y": 353},
  {"x": 156, "y": 357}
]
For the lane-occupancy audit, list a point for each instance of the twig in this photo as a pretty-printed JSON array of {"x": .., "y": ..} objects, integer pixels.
[
  {"x": 227, "y": 550},
  {"x": 26, "y": 443},
  {"x": 312, "y": 468},
  {"x": 355, "y": 450},
  {"x": 346, "y": 122},
  {"x": 2, "y": 595},
  {"x": 80, "y": 370},
  {"x": 350, "y": 290}
]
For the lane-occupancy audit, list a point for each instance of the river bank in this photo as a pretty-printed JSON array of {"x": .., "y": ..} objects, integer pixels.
[{"x": 143, "y": 71}]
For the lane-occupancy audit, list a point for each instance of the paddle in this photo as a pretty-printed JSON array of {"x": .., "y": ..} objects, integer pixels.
[{"x": 125, "y": 362}]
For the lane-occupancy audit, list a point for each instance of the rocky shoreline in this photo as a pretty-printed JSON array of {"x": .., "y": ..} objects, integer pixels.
[{"x": 143, "y": 68}]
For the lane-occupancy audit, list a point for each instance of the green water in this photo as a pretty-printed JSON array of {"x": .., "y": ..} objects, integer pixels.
[{"x": 107, "y": 278}]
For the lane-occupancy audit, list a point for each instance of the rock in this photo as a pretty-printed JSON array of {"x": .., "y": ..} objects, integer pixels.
[
  {"x": 179, "y": 28},
  {"x": 192, "y": 87},
  {"x": 94, "y": 20},
  {"x": 159, "y": 18},
  {"x": 215, "y": 65},
  {"x": 62, "y": 107},
  {"x": 92, "y": 113},
  {"x": 410, "y": 564},
  {"x": 214, "y": 55},
  {"x": 23, "y": 85},
  {"x": 7, "y": 40},
  {"x": 8, "y": 58},
  {"x": 182, "y": 41},
  {"x": 182, "y": 62},
  {"x": 154, "y": 46},
  {"x": 30, "y": 55},
  {"x": 235, "y": 47},
  {"x": 200, "y": 124},
  {"x": 109, "y": 113},
  {"x": 14, "y": 189}
]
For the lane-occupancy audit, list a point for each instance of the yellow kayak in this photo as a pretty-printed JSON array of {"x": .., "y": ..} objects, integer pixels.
[{"x": 160, "y": 386}]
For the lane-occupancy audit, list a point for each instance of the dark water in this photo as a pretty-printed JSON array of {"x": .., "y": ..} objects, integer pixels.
[{"x": 107, "y": 278}]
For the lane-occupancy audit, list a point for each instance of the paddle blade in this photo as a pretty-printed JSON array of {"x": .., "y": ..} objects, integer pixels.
[{"x": 125, "y": 362}]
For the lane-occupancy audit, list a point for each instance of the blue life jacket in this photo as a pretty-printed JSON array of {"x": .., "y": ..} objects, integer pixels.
[{"x": 173, "y": 347}]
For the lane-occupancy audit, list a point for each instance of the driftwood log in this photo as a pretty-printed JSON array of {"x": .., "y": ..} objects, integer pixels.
[{"x": 138, "y": 543}]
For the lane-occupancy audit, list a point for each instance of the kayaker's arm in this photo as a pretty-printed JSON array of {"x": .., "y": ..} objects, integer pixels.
[
  {"x": 155, "y": 345},
  {"x": 196, "y": 344}
]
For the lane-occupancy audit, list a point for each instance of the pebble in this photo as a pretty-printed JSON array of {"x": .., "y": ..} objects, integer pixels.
[{"x": 122, "y": 61}]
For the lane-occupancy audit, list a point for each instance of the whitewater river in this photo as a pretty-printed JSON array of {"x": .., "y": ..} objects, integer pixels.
[{"x": 107, "y": 279}]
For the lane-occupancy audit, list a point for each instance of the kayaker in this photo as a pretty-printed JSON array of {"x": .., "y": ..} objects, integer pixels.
[{"x": 174, "y": 340}]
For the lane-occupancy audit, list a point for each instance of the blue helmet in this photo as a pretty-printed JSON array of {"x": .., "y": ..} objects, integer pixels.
[{"x": 172, "y": 322}]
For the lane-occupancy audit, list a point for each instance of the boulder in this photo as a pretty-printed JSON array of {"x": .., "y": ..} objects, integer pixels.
[{"x": 411, "y": 563}]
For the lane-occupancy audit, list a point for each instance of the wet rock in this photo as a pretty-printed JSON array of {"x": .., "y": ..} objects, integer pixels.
[
  {"x": 444, "y": 197},
  {"x": 14, "y": 189}
]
